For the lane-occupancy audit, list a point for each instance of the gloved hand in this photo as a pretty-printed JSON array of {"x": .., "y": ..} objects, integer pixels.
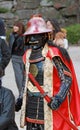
[
  {"x": 18, "y": 104},
  {"x": 1, "y": 71},
  {"x": 54, "y": 104}
]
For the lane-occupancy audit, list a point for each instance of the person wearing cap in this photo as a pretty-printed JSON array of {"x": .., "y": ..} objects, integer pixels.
[
  {"x": 16, "y": 45},
  {"x": 7, "y": 100},
  {"x": 49, "y": 72}
]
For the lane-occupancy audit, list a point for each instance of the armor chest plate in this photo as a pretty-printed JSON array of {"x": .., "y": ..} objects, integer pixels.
[{"x": 37, "y": 70}]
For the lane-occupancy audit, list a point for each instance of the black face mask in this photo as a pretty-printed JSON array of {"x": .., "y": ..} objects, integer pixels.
[{"x": 36, "y": 40}]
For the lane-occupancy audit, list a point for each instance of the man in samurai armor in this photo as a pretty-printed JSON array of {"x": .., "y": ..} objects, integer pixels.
[{"x": 52, "y": 68}]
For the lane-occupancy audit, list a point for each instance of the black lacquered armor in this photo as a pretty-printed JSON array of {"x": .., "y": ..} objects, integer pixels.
[{"x": 34, "y": 99}]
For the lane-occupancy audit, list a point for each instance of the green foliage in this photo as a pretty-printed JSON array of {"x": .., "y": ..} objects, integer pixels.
[
  {"x": 3, "y": 10},
  {"x": 73, "y": 33}
]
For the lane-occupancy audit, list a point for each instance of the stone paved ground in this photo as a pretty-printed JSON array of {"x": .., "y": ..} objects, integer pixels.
[{"x": 9, "y": 81}]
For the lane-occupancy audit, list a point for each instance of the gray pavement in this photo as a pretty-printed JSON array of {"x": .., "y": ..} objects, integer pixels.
[{"x": 9, "y": 80}]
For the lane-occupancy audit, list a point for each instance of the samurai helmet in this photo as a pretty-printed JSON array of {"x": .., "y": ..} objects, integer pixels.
[{"x": 36, "y": 25}]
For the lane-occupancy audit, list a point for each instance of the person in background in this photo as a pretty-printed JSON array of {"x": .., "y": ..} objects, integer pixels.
[
  {"x": 59, "y": 39},
  {"x": 16, "y": 45},
  {"x": 57, "y": 33},
  {"x": 7, "y": 100},
  {"x": 64, "y": 31},
  {"x": 52, "y": 68},
  {"x": 54, "y": 26}
]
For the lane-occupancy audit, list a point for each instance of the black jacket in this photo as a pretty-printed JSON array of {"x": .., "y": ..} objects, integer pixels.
[
  {"x": 16, "y": 44},
  {"x": 4, "y": 56},
  {"x": 7, "y": 110}
]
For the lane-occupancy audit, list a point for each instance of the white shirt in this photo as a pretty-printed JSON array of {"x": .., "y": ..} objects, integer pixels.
[{"x": 66, "y": 43}]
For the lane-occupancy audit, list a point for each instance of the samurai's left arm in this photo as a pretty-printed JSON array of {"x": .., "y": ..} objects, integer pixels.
[{"x": 66, "y": 81}]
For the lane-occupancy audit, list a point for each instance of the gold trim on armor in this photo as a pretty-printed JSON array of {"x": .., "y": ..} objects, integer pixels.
[{"x": 48, "y": 86}]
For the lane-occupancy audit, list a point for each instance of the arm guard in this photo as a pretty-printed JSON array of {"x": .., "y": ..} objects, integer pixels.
[{"x": 64, "y": 87}]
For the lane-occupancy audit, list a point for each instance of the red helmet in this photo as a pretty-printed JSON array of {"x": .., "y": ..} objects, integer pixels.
[{"x": 36, "y": 25}]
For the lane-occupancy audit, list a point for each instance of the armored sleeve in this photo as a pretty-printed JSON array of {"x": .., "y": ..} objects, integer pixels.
[{"x": 66, "y": 81}]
